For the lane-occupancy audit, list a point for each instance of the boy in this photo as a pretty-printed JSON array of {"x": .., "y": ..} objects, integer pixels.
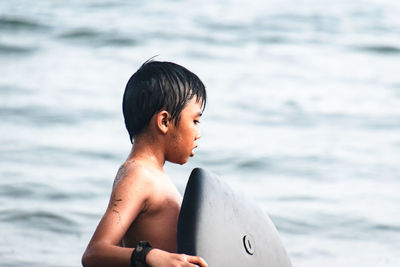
[{"x": 162, "y": 105}]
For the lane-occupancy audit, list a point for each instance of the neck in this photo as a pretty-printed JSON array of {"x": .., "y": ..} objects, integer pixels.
[{"x": 148, "y": 150}]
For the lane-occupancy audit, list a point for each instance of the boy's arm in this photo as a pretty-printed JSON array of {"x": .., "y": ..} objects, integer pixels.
[{"x": 128, "y": 199}]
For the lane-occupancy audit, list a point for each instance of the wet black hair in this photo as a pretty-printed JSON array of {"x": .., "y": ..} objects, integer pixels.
[{"x": 157, "y": 86}]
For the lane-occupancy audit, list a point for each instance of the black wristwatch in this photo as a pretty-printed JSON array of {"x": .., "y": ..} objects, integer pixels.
[{"x": 138, "y": 258}]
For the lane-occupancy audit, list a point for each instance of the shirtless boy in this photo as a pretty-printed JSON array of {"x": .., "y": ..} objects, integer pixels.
[{"x": 162, "y": 106}]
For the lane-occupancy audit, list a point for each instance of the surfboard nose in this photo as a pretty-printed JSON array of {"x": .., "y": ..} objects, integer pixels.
[{"x": 225, "y": 228}]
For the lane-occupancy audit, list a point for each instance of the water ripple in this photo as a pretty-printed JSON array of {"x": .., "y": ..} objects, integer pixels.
[
  {"x": 12, "y": 50},
  {"x": 380, "y": 49},
  {"x": 42, "y": 115},
  {"x": 18, "y": 23},
  {"x": 93, "y": 37},
  {"x": 43, "y": 220},
  {"x": 336, "y": 226}
]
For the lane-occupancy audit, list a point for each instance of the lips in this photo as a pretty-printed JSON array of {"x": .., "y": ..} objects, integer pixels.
[{"x": 192, "y": 153}]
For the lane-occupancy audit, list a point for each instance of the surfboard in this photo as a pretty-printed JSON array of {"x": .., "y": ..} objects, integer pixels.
[{"x": 225, "y": 228}]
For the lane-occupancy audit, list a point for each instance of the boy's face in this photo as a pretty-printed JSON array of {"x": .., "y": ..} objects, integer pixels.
[{"x": 183, "y": 136}]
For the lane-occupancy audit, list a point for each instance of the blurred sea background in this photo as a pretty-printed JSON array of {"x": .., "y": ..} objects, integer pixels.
[{"x": 303, "y": 116}]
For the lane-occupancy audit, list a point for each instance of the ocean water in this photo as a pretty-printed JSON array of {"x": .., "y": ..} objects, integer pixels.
[{"x": 303, "y": 116}]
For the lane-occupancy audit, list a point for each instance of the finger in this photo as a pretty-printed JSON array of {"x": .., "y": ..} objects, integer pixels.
[{"x": 197, "y": 260}]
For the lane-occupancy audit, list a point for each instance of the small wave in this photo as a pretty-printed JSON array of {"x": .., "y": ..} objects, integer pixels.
[
  {"x": 49, "y": 116},
  {"x": 15, "y": 23},
  {"x": 292, "y": 226},
  {"x": 34, "y": 191},
  {"x": 388, "y": 122},
  {"x": 36, "y": 114},
  {"x": 104, "y": 155},
  {"x": 387, "y": 227},
  {"x": 223, "y": 26},
  {"x": 380, "y": 49},
  {"x": 346, "y": 226},
  {"x": 8, "y": 89},
  {"x": 209, "y": 39},
  {"x": 300, "y": 198},
  {"x": 251, "y": 164},
  {"x": 44, "y": 220},
  {"x": 274, "y": 40},
  {"x": 119, "y": 41},
  {"x": 304, "y": 166},
  {"x": 96, "y": 38},
  {"x": 79, "y": 34},
  {"x": 15, "y": 50},
  {"x": 13, "y": 190}
]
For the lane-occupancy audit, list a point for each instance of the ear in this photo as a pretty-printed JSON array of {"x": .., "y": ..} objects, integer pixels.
[{"x": 163, "y": 121}]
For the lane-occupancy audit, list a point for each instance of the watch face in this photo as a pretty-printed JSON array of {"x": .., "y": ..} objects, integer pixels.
[{"x": 139, "y": 254}]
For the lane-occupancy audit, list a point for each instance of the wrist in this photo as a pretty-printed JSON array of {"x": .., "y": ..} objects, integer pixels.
[
  {"x": 152, "y": 256},
  {"x": 138, "y": 257}
]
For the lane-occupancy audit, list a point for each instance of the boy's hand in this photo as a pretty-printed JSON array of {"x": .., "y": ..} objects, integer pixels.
[{"x": 160, "y": 258}]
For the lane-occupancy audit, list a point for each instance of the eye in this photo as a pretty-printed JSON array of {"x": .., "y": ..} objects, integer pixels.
[{"x": 196, "y": 122}]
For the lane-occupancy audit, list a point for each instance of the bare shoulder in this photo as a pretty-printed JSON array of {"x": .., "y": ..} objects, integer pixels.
[
  {"x": 133, "y": 177},
  {"x": 129, "y": 198},
  {"x": 122, "y": 172},
  {"x": 130, "y": 170}
]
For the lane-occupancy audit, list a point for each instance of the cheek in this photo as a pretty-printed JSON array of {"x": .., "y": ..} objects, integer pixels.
[
  {"x": 178, "y": 150},
  {"x": 176, "y": 143}
]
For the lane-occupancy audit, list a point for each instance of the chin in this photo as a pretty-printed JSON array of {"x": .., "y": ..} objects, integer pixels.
[
  {"x": 179, "y": 161},
  {"x": 184, "y": 161}
]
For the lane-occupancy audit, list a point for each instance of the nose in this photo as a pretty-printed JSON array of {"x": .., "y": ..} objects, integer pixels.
[{"x": 198, "y": 135}]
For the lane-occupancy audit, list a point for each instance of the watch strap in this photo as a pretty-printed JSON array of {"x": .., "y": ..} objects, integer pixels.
[{"x": 138, "y": 257}]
